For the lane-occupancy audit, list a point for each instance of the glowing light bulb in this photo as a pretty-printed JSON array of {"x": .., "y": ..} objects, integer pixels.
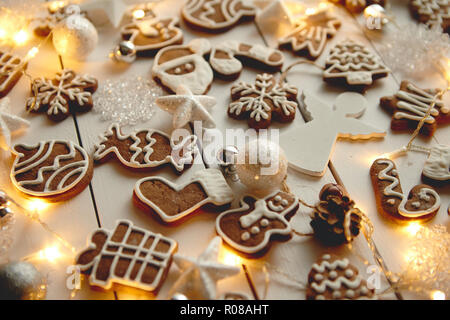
[
  {"x": 437, "y": 295},
  {"x": 230, "y": 258},
  {"x": 413, "y": 228},
  {"x": 56, "y": 5},
  {"x": 50, "y": 254},
  {"x": 138, "y": 14},
  {"x": 2, "y": 34},
  {"x": 37, "y": 205},
  {"x": 32, "y": 53},
  {"x": 310, "y": 11},
  {"x": 21, "y": 37}
]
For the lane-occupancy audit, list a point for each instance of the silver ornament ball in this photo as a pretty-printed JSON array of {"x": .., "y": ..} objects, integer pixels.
[
  {"x": 125, "y": 51},
  {"x": 21, "y": 281}
]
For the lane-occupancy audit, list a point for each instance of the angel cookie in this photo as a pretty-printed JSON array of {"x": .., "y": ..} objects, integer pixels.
[
  {"x": 184, "y": 65},
  {"x": 216, "y": 15},
  {"x": 310, "y": 35},
  {"x": 56, "y": 170},
  {"x": 172, "y": 202},
  {"x": 145, "y": 149},
  {"x": 127, "y": 255},
  {"x": 65, "y": 94},
  {"x": 422, "y": 203},
  {"x": 262, "y": 102},
  {"x": 411, "y": 103},
  {"x": 252, "y": 227},
  {"x": 228, "y": 57},
  {"x": 151, "y": 34}
]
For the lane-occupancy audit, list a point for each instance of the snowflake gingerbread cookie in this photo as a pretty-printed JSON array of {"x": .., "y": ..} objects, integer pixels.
[
  {"x": 128, "y": 255},
  {"x": 67, "y": 93},
  {"x": 145, "y": 149},
  {"x": 55, "y": 170},
  {"x": 433, "y": 13},
  {"x": 216, "y": 15},
  {"x": 310, "y": 35},
  {"x": 353, "y": 66},
  {"x": 262, "y": 102}
]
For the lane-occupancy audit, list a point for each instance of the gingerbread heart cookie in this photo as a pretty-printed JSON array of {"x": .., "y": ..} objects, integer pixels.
[
  {"x": 65, "y": 94},
  {"x": 422, "y": 203},
  {"x": 332, "y": 278},
  {"x": 184, "y": 65},
  {"x": 55, "y": 170},
  {"x": 128, "y": 255},
  {"x": 151, "y": 34},
  {"x": 11, "y": 67},
  {"x": 410, "y": 104},
  {"x": 145, "y": 149},
  {"x": 252, "y": 227},
  {"x": 310, "y": 35},
  {"x": 172, "y": 202},
  {"x": 216, "y": 15},
  {"x": 228, "y": 57},
  {"x": 262, "y": 102}
]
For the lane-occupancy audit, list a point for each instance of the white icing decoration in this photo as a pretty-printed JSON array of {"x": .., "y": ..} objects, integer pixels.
[
  {"x": 199, "y": 80},
  {"x": 150, "y": 256},
  {"x": 325, "y": 265},
  {"x": 311, "y": 35},
  {"x": 320, "y": 297},
  {"x": 258, "y": 106},
  {"x": 389, "y": 192},
  {"x": 336, "y": 295},
  {"x": 364, "y": 290},
  {"x": 333, "y": 275},
  {"x": 349, "y": 273},
  {"x": 353, "y": 62},
  {"x": 188, "y": 152},
  {"x": 438, "y": 163},
  {"x": 326, "y": 257},
  {"x": 390, "y": 202},
  {"x": 264, "y": 223},
  {"x": 78, "y": 167},
  {"x": 254, "y": 230},
  {"x": 318, "y": 277},
  {"x": 229, "y": 9},
  {"x": 337, "y": 284},
  {"x": 212, "y": 181},
  {"x": 315, "y": 140},
  {"x": 10, "y": 67},
  {"x": 260, "y": 211},
  {"x": 245, "y": 236},
  {"x": 350, "y": 294}
]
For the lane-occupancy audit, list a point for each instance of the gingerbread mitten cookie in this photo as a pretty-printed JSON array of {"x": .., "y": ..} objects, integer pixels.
[
  {"x": 251, "y": 228},
  {"x": 56, "y": 170},
  {"x": 128, "y": 255},
  {"x": 172, "y": 202},
  {"x": 422, "y": 203}
]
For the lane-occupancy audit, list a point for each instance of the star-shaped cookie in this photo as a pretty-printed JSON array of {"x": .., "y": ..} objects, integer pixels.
[
  {"x": 185, "y": 107},
  {"x": 9, "y": 124},
  {"x": 201, "y": 274}
]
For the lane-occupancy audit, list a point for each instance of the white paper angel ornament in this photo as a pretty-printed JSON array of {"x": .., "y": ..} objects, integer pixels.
[{"x": 314, "y": 141}]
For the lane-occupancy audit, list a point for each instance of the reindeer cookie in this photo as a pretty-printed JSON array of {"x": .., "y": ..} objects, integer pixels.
[
  {"x": 216, "y": 15},
  {"x": 145, "y": 149},
  {"x": 184, "y": 65},
  {"x": 422, "y": 203},
  {"x": 171, "y": 202},
  {"x": 55, "y": 170},
  {"x": 251, "y": 228},
  {"x": 226, "y": 58}
]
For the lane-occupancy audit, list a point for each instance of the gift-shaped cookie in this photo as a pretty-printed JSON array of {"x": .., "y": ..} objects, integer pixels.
[
  {"x": 145, "y": 149},
  {"x": 171, "y": 202},
  {"x": 128, "y": 255},
  {"x": 252, "y": 227}
]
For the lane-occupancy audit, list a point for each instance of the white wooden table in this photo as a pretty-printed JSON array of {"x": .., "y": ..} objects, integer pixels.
[{"x": 109, "y": 197}]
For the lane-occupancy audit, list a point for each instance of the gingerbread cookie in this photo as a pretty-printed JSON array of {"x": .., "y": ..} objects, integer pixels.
[
  {"x": 151, "y": 34},
  {"x": 410, "y": 104},
  {"x": 217, "y": 15},
  {"x": 332, "y": 278},
  {"x": 145, "y": 149},
  {"x": 226, "y": 58},
  {"x": 251, "y": 228},
  {"x": 184, "y": 65},
  {"x": 437, "y": 167},
  {"x": 310, "y": 35},
  {"x": 357, "y": 6},
  {"x": 128, "y": 255},
  {"x": 262, "y": 102},
  {"x": 67, "y": 93},
  {"x": 172, "y": 202},
  {"x": 353, "y": 66},
  {"x": 432, "y": 13},
  {"x": 335, "y": 219},
  {"x": 11, "y": 68},
  {"x": 56, "y": 170},
  {"x": 422, "y": 203}
]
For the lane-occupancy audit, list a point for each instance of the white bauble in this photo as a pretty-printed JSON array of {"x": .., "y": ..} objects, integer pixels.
[
  {"x": 75, "y": 37},
  {"x": 261, "y": 165}
]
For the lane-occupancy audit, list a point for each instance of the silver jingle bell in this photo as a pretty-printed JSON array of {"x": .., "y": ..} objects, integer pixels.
[
  {"x": 226, "y": 158},
  {"x": 125, "y": 51},
  {"x": 21, "y": 280},
  {"x": 178, "y": 296}
]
